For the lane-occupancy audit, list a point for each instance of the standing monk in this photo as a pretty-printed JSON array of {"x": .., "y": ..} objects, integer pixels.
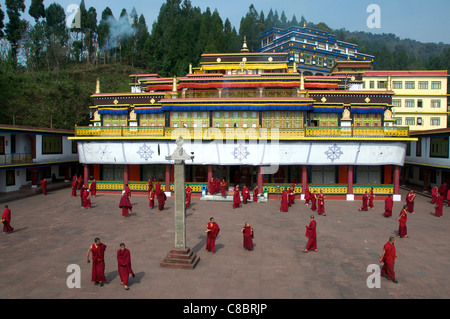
[
  {"x": 223, "y": 188},
  {"x": 311, "y": 234},
  {"x": 438, "y": 207},
  {"x": 188, "y": 194},
  {"x": 161, "y": 201},
  {"x": 313, "y": 198},
  {"x": 86, "y": 199},
  {"x": 151, "y": 198},
  {"x": 93, "y": 188},
  {"x": 247, "y": 230},
  {"x": 284, "y": 201},
  {"x": 124, "y": 264},
  {"x": 371, "y": 198},
  {"x": 125, "y": 204},
  {"x": 388, "y": 204},
  {"x": 6, "y": 220},
  {"x": 321, "y": 204},
  {"x": 82, "y": 189},
  {"x": 448, "y": 198},
  {"x": 307, "y": 195},
  {"x": 434, "y": 195},
  {"x": 364, "y": 202},
  {"x": 74, "y": 187},
  {"x": 98, "y": 261},
  {"x": 255, "y": 194},
  {"x": 245, "y": 194},
  {"x": 212, "y": 230},
  {"x": 80, "y": 182},
  {"x": 291, "y": 195},
  {"x": 388, "y": 258},
  {"x": 410, "y": 201},
  {"x": 236, "y": 197},
  {"x": 127, "y": 191},
  {"x": 44, "y": 186},
  {"x": 403, "y": 217}
]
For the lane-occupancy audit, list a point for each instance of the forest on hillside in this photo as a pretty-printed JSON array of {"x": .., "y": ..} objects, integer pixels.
[{"x": 48, "y": 70}]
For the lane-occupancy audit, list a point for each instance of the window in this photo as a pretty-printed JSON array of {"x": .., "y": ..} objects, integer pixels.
[
  {"x": 410, "y": 121},
  {"x": 435, "y": 121},
  {"x": 397, "y": 102},
  {"x": 296, "y": 57},
  {"x": 10, "y": 178},
  {"x": 435, "y": 103},
  {"x": 423, "y": 85},
  {"x": 409, "y": 103},
  {"x": 419, "y": 103},
  {"x": 436, "y": 85},
  {"x": 372, "y": 84},
  {"x": 410, "y": 85},
  {"x": 439, "y": 147},
  {"x": 381, "y": 84},
  {"x": 319, "y": 61},
  {"x": 51, "y": 144},
  {"x": 397, "y": 84},
  {"x": 398, "y": 120},
  {"x": 308, "y": 59}
]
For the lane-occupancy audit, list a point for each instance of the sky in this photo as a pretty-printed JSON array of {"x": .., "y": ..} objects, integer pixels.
[{"x": 424, "y": 21}]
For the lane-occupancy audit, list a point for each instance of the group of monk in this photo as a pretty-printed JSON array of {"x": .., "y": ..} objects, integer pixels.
[
  {"x": 212, "y": 231},
  {"x": 155, "y": 192},
  {"x": 439, "y": 195},
  {"x": 86, "y": 193}
]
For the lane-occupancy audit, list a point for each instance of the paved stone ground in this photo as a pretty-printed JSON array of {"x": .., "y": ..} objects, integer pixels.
[{"x": 52, "y": 232}]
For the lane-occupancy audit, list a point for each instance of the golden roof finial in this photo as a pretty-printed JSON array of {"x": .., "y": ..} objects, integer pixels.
[
  {"x": 244, "y": 45},
  {"x": 97, "y": 86}
]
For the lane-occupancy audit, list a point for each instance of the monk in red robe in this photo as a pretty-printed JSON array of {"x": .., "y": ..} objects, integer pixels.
[
  {"x": 245, "y": 194},
  {"x": 150, "y": 185},
  {"x": 371, "y": 198},
  {"x": 291, "y": 194},
  {"x": 321, "y": 204},
  {"x": 247, "y": 231},
  {"x": 255, "y": 194},
  {"x": 312, "y": 235},
  {"x": 93, "y": 188},
  {"x": 223, "y": 188},
  {"x": 98, "y": 261},
  {"x": 403, "y": 217},
  {"x": 127, "y": 190},
  {"x": 151, "y": 198},
  {"x": 211, "y": 189},
  {"x": 439, "y": 206},
  {"x": 442, "y": 189},
  {"x": 307, "y": 195},
  {"x": 216, "y": 185},
  {"x": 6, "y": 220},
  {"x": 448, "y": 198},
  {"x": 44, "y": 186},
  {"x": 161, "y": 201},
  {"x": 388, "y": 205},
  {"x": 125, "y": 204},
  {"x": 86, "y": 199},
  {"x": 157, "y": 189},
  {"x": 388, "y": 258},
  {"x": 410, "y": 201},
  {"x": 236, "y": 197},
  {"x": 313, "y": 198},
  {"x": 188, "y": 195},
  {"x": 80, "y": 182},
  {"x": 364, "y": 202},
  {"x": 434, "y": 194},
  {"x": 74, "y": 187},
  {"x": 212, "y": 230},
  {"x": 284, "y": 201},
  {"x": 124, "y": 265}
]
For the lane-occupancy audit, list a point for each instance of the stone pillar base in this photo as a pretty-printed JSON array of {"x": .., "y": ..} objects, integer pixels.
[{"x": 180, "y": 259}]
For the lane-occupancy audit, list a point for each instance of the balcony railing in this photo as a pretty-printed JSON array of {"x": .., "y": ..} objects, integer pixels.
[
  {"x": 15, "y": 158},
  {"x": 243, "y": 133}
]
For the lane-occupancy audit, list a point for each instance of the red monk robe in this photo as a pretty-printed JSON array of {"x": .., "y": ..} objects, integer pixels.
[
  {"x": 151, "y": 198},
  {"x": 157, "y": 189},
  {"x": 93, "y": 188},
  {"x": 388, "y": 205},
  {"x": 312, "y": 236},
  {"x": 434, "y": 194},
  {"x": 150, "y": 185},
  {"x": 307, "y": 195},
  {"x": 321, "y": 204},
  {"x": 44, "y": 186},
  {"x": 291, "y": 195},
  {"x": 410, "y": 201},
  {"x": 124, "y": 265},
  {"x": 188, "y": 195},
  {"x": 388, "y": 258},
  {"x": 371, "y": 198},
  {"x": 247, "y": 231},
  {"x": 236, "y": 198},
  {"x": 223, "y": 188},
  {"x": 403, "y": 217},
  {"x": 284, "y": 201},
  {"x": 6, "y": 220},
  {"x": 74, "y": 187},
  {"x": 216, "y": 185},
  {"x": 98, "y": 262},
  {"x": 438, "y": 207},
  {"x": 86, "y": 199},
  {"x": 125, "y": 204},
  {"x": 313, "y": 198},
  {"x": 245, "y": 194},
  {"x": 255, "y": 194},
  {"x": 212, "y": 230},
  {"x": 211, "y": 185},
  {"x": 364, "y": 202},
  {"x": 79, "y": 182},
  {"x": 448, "y": 198},
  {"x": 127, "y": 190},
  {"x": 161, "y": 201}
]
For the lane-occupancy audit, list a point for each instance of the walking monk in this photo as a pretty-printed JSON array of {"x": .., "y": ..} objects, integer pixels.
[
  {"x": 284, "y": 201},
  {"x": 93, "y": 188},
  {"x": 6, "y": 220},
  {"x": 313, "y": 198},
  {"x": 236, "y": 197},
  {"x": 371, "y": 198},
  {"x": 388, "y": 258},
  {"x": 388, "y": 204},
  {"x": 188, "y": 194},
  {"x": 247, "y": 230},
  {"x": 312, "y": 235},
  {"x": 124, "y": 264},
  {"x": 223, "y": 188},
  {"x": 364, "y": 202},
  {"x": 98, "y": 261},
  {"x": 212, "y": 230},
  {"x": 255, "y": 194},
  {"x": 439, "y": 206},
  {"x": 151, "y": 198},
  {"x": 44, "y": 186},
  {"x": 321, "y": 204},
  {"x": 307, "y": 195},
  {"x": 74, "y": 186},
  {"x": 125, "y": 204},
  {"x": 410, "y": 201},
  {"x": 245, "y": 194},
  {"x": 403, "y": 217}
]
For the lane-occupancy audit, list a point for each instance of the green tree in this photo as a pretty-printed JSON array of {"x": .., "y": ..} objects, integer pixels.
[
  {"x": 16, "y": 26},
  {"x": 2, "y": 25},
  {"x": 37, "y": 9}
]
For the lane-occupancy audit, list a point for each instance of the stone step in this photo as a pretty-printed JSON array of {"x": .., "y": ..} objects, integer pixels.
[{"x": 180, "y": 259}]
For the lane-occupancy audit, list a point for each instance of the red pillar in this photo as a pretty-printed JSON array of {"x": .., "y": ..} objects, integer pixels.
[
  {"x": 125, "y": 174},
  {"x": 396, "y": 180},
  {"x": 86, "y": 175},
  {"x": 260, "y": 180},
  {"x": 304, "y": 177},
  {"x": 425, "y": 179},
  {"x": 167, "y": 183},
  {"x": 210, "y": 173},
  {"x": 349, "y": 179}
]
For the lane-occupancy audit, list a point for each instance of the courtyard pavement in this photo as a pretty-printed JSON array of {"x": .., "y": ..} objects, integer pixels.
[{"x": 53, "y": 232}]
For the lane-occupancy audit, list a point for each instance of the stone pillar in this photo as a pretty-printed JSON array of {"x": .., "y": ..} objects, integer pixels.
[
  {"x": 397, "y": 196},
  {"x": 304, "y": 180},
  {"x": 350, "y": 195},
  {"x": 86, "y": 175}
]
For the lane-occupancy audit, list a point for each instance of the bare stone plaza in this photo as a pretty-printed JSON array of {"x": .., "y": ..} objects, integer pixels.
[{"x": 53, "y": 232}]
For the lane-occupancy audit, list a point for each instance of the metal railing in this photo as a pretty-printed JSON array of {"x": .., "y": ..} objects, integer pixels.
[{"x": 15, "y": 158}]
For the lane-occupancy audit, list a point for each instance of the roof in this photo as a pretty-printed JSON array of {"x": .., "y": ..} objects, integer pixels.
[
  {"x": 32, "y": 129},
  {"x": 407, "y": 73}
]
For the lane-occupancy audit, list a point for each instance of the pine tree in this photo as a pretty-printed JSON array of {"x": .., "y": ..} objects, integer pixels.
[{"x": 37, "y": 9}]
